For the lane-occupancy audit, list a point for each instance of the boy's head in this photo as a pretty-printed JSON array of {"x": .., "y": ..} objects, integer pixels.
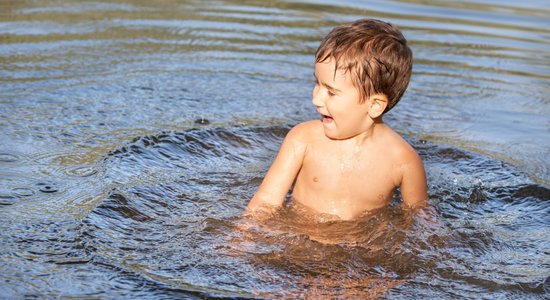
[{"x": 375, "y": 54}]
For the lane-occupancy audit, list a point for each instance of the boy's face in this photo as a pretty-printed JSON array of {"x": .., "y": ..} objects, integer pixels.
[{"x": 338, "y": 102}]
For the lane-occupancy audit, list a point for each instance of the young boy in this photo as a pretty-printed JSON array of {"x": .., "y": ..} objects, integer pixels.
[{"x": 349, "y": 161}]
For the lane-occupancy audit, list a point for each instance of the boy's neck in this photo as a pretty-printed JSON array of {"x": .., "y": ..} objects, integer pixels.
[{"x": 368, "y": 134}]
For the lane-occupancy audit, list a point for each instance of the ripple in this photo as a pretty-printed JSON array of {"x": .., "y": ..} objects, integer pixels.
[
  {"x": 81, "y": 171},
  {"x": 219, "y": 149},
  {"x": 23, "y": 192},
  {"x": 6, "y": 198},
  {"x": 8, "y": 157},
  {"x": 165, "y": 214},
  {"x": 197, "y": 209}
]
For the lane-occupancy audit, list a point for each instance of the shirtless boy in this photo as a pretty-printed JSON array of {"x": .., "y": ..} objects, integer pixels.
[{"x": 349, "y": 161}]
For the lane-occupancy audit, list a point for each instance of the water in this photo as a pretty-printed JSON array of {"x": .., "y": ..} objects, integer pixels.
[{"x": 134, "y": 134}]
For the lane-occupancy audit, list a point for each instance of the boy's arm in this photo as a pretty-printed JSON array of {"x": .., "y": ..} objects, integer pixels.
[
  {"x": 282, "y": 172},
  {"x": 413, "y": 181}
]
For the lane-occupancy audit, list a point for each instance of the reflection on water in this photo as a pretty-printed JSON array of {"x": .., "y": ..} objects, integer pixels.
[{"x": 134, "y": 134}]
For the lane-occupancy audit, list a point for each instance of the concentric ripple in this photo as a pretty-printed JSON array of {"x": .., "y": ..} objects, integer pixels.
[
  {"x": 185, "y": 229},
  {"x": 209, "y": 88}
]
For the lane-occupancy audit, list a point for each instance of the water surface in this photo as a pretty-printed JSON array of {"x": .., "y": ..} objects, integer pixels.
[{"x": 134, "y": 133}]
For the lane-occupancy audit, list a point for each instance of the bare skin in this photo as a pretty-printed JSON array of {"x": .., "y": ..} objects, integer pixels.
[{"x": 347, "y": 163}]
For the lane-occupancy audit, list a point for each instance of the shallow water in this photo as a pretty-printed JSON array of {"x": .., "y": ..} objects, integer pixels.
[{"x": 133, "y": 135}]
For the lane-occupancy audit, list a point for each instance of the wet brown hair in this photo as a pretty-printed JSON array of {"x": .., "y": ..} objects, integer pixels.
[{"x": 376, "y": 55}]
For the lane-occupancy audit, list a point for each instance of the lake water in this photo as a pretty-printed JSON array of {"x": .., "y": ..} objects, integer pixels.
[{"x": 135, "y": 132}]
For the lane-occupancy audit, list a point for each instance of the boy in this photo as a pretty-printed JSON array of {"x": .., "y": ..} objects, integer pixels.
[{"x": 349, "y": 162}]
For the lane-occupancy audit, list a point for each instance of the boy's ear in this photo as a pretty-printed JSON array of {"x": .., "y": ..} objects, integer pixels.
[{"x": 378, "y": 104}]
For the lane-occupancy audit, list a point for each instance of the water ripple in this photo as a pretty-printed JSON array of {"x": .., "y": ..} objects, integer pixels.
[
  {"x": 85, "y": 213},
  {"x": 197, "y": 208}
]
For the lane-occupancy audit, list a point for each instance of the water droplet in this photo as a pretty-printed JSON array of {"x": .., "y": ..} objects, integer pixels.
[
  {"x": 48, "y": 188},
  {"x": 202, "y": 121}
]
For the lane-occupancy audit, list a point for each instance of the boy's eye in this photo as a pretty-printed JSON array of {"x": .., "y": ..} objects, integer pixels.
[{"x": 330, "y": 93}]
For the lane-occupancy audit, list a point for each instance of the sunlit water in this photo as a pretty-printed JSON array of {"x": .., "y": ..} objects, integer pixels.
[{"x": 134, "y": 134}]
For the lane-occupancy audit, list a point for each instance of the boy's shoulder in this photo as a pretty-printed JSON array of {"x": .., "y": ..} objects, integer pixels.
[
  {"x": 391, "y": 143},
  {"x": 398, "y": 149},
  {"x": 306, "y": 130},
  {"x": 309, "y": 125}
]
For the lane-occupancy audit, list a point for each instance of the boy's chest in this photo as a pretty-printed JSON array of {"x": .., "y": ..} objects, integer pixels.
[
  {"x": 362, "y": 173},
  {"x": 344, "y": 186}
]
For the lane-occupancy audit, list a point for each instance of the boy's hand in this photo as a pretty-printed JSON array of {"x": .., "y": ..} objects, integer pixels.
[{"x": 261, "y": 212}]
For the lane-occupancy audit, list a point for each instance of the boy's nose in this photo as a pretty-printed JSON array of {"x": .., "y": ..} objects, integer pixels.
[{"x": 316, "y": 98}]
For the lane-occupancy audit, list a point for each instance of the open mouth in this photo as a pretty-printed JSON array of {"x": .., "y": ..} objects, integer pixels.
[{"x": 326, "y": 119}]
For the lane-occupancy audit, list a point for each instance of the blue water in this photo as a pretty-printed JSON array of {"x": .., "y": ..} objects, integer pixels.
[{"x": 134, "y": 134}]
